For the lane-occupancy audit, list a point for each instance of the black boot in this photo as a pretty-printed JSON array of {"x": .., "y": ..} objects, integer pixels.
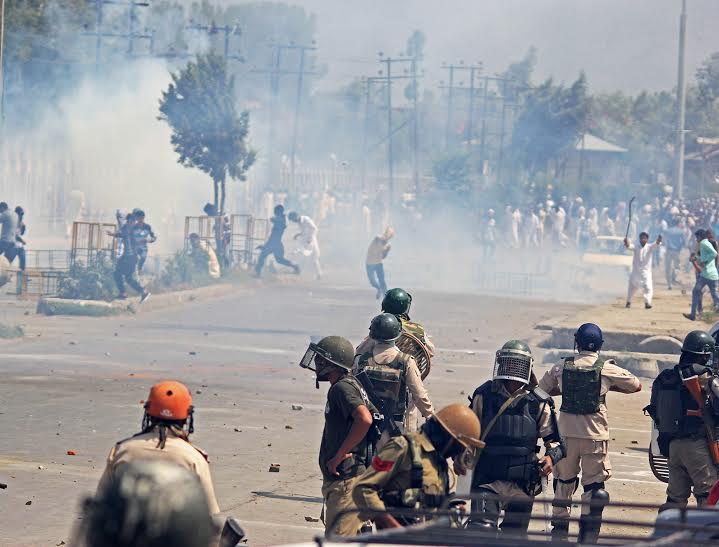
[{"x": 589, "y": 527}]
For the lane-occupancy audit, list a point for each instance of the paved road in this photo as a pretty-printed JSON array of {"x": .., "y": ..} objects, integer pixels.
[{"x": 77, "y": 384}]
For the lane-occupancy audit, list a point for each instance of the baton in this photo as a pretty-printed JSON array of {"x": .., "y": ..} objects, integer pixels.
[{"x": 629, "y": 222}]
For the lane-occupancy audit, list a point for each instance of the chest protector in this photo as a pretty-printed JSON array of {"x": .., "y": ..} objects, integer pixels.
[
  {"x": 414, "y": 328},
  {"x": 389, "y": 384},
  {"x": 668, "y": 406},
  {"x": 581, "y": 387},
  {"x": 511, "y": 451}
]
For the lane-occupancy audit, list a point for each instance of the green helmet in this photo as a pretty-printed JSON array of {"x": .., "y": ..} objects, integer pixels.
[
  {"x": 513, "y": 361},
  {"x": 338, "y": 351},
  {"x": 385, "y": 328},
  {"x": 698, "y": 342},
  {"x": 397, "y": 302}
]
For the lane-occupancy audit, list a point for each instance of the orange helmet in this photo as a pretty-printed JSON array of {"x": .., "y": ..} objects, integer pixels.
[{"x": 169, "y": 400}]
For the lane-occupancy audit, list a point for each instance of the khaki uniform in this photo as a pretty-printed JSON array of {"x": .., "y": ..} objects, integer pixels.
[
  {"x": 690, "y": 466},
  {"x": 546, "y": 428},
  {"x": 586, "y": 436},
  {"x": 340, "y": 513},
  {"x": 382, "y": 485},
  {"x": 419, "y": 401},
  {"x": 177, "y": 450}
]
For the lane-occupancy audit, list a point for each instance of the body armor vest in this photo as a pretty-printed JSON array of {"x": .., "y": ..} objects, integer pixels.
[
  {"x": 413, "y": 328},
  {"x": 581, "y": 387},
  {"x": 389, "y": 384},
  {"x": 669, "y": 403},
  {"x": 511, "y": 451}
]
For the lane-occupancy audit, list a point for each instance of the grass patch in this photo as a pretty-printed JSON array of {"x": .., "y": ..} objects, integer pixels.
[{"x": 7, "y": 332}]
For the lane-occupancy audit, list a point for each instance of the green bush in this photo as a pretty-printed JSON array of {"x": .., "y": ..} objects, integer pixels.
[
  {"x": 185, "y": 270},
  {"x": 91, "y": 281}
]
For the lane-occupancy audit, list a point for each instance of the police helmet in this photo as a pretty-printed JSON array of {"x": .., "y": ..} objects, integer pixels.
[
  {"x": 699, "y": 343},
  {"x": 149, "y": 503},
  {"x": 293, "y": 216},
  {"x": 589, "y": 337},
  {"x": 385, "y": 328},
  {"x": 338, "y": 351},
  {"x": 397, "y": 301},
  {"x": 279, "y": 210},
  {"x": 513, "y": 361}
]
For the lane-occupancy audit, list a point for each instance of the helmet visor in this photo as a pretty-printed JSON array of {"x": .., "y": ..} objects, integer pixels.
[
  {"x": 513, "y": 365},
  {"x": 313, "y": 350}
]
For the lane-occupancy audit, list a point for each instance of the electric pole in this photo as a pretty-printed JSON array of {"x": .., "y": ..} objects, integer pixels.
[
  {"x": 391, "y": 130},
  {"x": 226, "y": 31},
  {"x": 2, "y": 61},
  {"x": 681, "y": 106},
  {"x": 131, "y": 35},
  {"x": 298, "y": 101},
  {"x": 471, "y": 92},
  {"x": 275, "y": 73}
]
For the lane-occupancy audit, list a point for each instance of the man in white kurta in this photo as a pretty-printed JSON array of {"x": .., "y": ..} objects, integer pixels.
[
  {"x": 308, "y": 236},
  {"x": 641, "y": 276}
]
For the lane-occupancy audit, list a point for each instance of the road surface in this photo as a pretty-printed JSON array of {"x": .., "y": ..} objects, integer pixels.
[{"x": 77, "y": 384}]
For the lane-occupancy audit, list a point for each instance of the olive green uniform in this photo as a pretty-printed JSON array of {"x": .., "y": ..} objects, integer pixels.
[
  {"x": 586, "y": 436},
  {"x": 343, "y": 398},
  {"x": 388, "y": 481}
]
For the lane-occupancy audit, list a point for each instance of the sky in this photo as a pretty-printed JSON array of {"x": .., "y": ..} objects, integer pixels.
[{"x": 621, "y": 44}]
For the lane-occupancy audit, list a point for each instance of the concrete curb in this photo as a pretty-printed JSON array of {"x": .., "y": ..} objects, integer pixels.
[
  {"x": 97, "y": 308},
  {"x": 644, "y": 365}
]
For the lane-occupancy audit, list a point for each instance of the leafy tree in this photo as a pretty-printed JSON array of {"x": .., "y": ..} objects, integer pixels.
[
  {"x": 207, "y": 131},
  {"x": 552, "y": 119},
  {"x": 453, "y": 172}
]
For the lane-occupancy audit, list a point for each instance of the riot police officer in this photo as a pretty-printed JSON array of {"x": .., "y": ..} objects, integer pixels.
[
  {"x": 410, "y": 472},
  {"x": 514, "y": 414},
  {"x": 583, "y": 381},
  {"x": 395, "y": 380},
  {"x": 398, "y": 302},
  {"x": 166, "y": 427},
  {"x": 684, "y": 406},
  {"x": 345, "y": 444}
]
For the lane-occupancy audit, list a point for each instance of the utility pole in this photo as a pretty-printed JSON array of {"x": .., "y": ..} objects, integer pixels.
[
  {"x": 388, "y": 78},
  {"x": 390, "y": 149},
  {"x": 415, "y": 124},
  {"x": 226, "y": 30},
  {"x": 483, "y": 133},
  {"x": 2, "y": 61},
  {"x": 450, "y": 96},
  {"x": 99, "y": 34},
  {"x": 452, "y": 89},
  {"x": 275, "y": 73},
  {"x": 298, "y": 101},
  {"x": 470, "y": 113},
  {"x": 681, "y": 106}
]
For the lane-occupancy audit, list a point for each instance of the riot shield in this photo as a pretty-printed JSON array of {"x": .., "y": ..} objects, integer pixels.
[
  {"x": 658, "y": 463},
  {"x": 411, "y": 345}
]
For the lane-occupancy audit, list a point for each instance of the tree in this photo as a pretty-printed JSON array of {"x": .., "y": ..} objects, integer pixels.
[
  {"x": 207, "y": 131},
  {"x": 552, "y": 119}
]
